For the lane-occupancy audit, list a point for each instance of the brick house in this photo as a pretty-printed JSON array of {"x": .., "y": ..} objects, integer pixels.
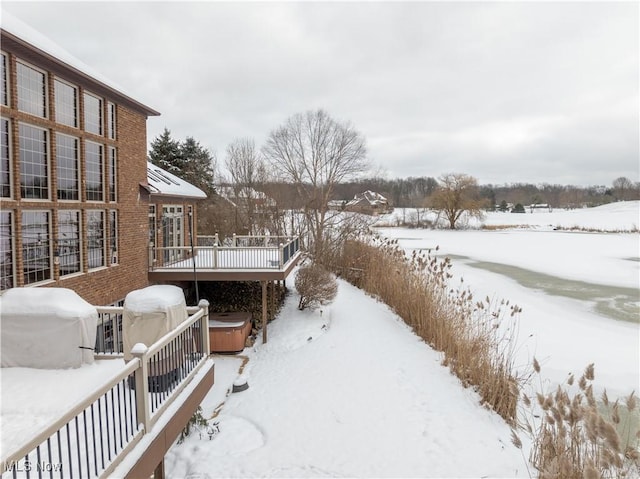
[
  {"x": 73, "y": 174},
  {"x": 172, "y": 213}
]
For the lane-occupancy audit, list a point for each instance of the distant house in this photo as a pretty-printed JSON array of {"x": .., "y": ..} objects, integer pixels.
[
  {"x": 369, "y": 202},
  {"x": 539, "y": 207},
  {"x": 72, "y": 162}
]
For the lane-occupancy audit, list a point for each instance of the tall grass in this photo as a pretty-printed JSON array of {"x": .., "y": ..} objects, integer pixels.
[
  {"x": 575, "y": 436},
  {"x": 472, "y": 335}
]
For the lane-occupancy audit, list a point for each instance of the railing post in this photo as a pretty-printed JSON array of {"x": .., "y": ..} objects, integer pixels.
[
  {"x": 204, "y": 327},
  {"x": 233, "y": 243},
  {"x": 281, "y": 255},
  {"x": 266, "y": 241},
  {"x": 217, "y": 239},
  {"x": 215, "y": 256},
  {"x": 139, "y": 351}
]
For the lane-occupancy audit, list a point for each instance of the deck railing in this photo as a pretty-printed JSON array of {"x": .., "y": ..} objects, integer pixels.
[
  {"x": 244, "y": 252},
  {"x": 93, "y": 437},
  {"x": 109, "y": 333}
]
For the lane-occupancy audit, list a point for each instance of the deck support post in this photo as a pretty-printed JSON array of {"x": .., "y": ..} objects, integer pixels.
[
  {"x": 264, "y": 311},
  {"x": 273, "y": 299},
  {"x": 159, "y": 472}
]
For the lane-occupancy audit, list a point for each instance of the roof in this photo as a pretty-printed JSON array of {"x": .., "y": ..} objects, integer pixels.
[
  {"x": 33, "y": 45},
  {"x": 370, "y": 197},
  {"x": 161, "y": 182}
]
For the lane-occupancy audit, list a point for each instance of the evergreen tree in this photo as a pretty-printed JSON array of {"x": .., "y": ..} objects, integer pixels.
[
  {"x": 187, "y": 160},
  {"x": 165, "y": 153},
  {"x": 198, "y": 165}
]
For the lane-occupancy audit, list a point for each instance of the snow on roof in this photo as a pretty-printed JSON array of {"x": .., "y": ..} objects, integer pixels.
[
  {"x": 16, "y": 27},
  {"x": 58, "y": 302},
  {"x": 162, "y": 182},
  {"x": 154, "y": 298},
  {"x": 371, "y": 197}
]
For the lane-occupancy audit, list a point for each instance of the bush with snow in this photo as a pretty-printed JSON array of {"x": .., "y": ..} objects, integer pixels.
[{"x": 316, "y": 286}]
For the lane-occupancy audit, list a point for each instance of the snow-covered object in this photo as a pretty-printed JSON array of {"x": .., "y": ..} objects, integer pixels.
[
  {"x": 46, "y": 328},
  {"x": 164, "y": 183},
  {"x": 150, "y": 313}
]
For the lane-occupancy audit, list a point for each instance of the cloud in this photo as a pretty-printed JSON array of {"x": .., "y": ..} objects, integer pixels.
[{"x": 506, "y": 91}]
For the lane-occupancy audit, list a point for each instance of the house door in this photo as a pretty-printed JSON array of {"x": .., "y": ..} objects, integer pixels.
[{"x": 172, "y": 232}]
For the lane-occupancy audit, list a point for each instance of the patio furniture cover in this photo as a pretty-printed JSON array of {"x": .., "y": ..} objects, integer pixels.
[
  {"x": 46, "y": 328},
  {"x": 149, "y": 314}
]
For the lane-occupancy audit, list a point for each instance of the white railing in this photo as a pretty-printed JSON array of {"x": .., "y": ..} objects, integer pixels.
[
  {"x": 244, "y": 253},
  {"x": 92, "y": 438}
]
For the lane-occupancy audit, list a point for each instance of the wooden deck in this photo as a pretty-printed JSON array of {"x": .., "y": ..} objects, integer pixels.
[{"x": 246, "y": 258}]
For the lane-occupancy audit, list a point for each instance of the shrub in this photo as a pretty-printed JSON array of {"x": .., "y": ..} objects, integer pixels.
[
  {"x": 518, "y": 208},
  {"x": 315, "y": 285}
]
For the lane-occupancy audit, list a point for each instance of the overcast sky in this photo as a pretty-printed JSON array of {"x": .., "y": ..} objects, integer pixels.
[{"x": 538, "y": 92}]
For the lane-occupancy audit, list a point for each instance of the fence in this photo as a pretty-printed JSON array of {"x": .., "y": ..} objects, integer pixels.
[
  {"x": 93, "y": 437},
  {"x": 245, "y": 252}
]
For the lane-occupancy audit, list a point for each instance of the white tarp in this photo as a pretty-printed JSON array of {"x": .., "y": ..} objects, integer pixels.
[
  {"x": 150, "y": 313},
  {"x": 46, "y": 328}
]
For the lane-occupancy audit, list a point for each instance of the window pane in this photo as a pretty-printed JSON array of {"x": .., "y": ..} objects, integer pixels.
[
  {"x": 94, "y": 176},
  {"x": 112, "y": 174},
  {"x": 36, "y": 246},
  {"x": 92, "y": 114},
  {"x": 4, "y": 90},
  {"x": 34, "y": 177},
  {"x": 6, "y": 251},
  {"x": 32, "y": 88},
  {"x": 95, "y": 238},
  {"x": 111, "y": 121},
  {"x": 5, "y": 160},
  {"x": 67, "y": 160},
  {"x": 69, "y": 241},
  {"x": 66, "y": 104},
  {"x": 113, "y": 236}
]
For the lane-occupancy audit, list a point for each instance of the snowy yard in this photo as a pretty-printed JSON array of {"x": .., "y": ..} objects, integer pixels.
[{"x": 353, "y": 392}]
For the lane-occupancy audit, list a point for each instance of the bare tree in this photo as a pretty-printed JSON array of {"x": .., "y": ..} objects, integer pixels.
[
  {"x": 248, "y": 176},
  {"x": 315, "y": 153},
  {"x": 456, "y": 195},
  {"x": 622, "y": 187}
]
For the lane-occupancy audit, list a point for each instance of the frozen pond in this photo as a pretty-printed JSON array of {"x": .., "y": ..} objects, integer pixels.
[
  {"x": 615, "y": 302},
  {"x": 580, "y": 294}
]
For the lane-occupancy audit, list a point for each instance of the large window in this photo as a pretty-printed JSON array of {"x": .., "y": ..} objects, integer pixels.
[
  {"x": 68, "y": 247},
  {"x": 113, "y": 182},
  {"x": 111, "y": 120},
  {"x": 92, "y": 114},
  {"x": 7, "y": 241},
  {"x": 34, "y": 165},
  {"x": 95, "y": 238},
  {"x": 5, "y": 159},
  {"x": 68, "y": 167},
  {"x": 94, "y": 171},
  {"x": 36, "y": 246},
  {"x": 66, "y": 103},
  {"x": 32, "y": 90},
  {"x": 113, "y": 236},
  {"x": 4, "y": 84}
]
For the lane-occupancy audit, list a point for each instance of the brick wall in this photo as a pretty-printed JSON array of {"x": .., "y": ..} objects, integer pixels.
[{"x": 104, "y": 285}]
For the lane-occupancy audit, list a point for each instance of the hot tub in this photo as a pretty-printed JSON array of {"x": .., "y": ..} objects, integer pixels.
[{"x": 228, "y": 332}]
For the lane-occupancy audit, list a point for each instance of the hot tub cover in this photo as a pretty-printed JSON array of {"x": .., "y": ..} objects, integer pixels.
[
  {"x": 46, "y": 328},
  {"x": 150, "y": 313}
]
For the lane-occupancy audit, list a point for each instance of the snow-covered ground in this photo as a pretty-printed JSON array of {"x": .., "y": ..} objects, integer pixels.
[
  {"x": 353, "y": 392},
  {"x": 32, "y": 399}
]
